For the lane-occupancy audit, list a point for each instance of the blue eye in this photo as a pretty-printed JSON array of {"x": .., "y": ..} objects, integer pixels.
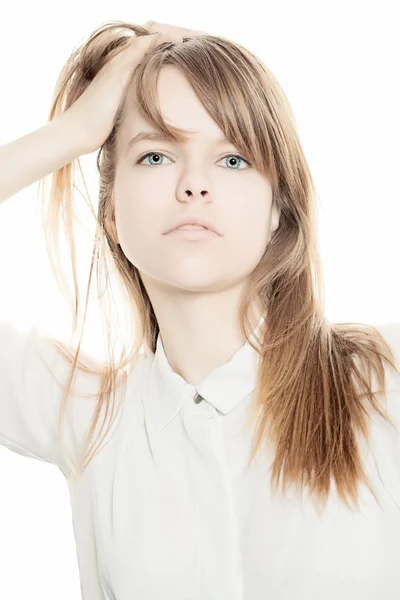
[{"x": 237, "y": 157}]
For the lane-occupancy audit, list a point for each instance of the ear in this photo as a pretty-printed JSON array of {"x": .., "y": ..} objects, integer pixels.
[
  {"x": 109, "y": 224},
  {"x": 275, "y": 216}
]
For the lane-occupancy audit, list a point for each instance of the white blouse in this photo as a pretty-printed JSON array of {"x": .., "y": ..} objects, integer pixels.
[{"x": 167, "y": 508}]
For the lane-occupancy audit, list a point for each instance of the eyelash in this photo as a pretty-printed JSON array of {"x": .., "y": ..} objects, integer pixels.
[{"x": 162, "y": 154}]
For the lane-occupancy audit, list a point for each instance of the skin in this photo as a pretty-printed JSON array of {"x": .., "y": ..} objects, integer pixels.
[{"x": 194, "y": 286}]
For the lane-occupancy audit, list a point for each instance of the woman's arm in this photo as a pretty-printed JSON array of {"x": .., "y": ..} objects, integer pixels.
[{"x": 37, "y": 154}]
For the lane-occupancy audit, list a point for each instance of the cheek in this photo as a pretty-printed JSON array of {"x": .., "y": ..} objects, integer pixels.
[
  {"x": 249, "y": 218},
  {"x": 138, "y": 211},
  {"x": 135, "y": 200},
  {"x": 135, "y": 232}
]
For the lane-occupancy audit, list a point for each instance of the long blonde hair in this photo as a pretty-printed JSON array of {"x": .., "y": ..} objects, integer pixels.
[{"x": 313, "y": 374}]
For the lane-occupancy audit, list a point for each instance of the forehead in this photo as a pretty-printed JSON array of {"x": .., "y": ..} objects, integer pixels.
[
  {"x": 180, "y": 107},
  {"x": 149, "y": 134}
]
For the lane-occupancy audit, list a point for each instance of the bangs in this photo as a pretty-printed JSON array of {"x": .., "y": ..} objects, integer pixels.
[{"x": 228, "y": 85}]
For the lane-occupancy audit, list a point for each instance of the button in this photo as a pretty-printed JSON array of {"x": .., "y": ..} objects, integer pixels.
[{"x": 197, "y": 399}]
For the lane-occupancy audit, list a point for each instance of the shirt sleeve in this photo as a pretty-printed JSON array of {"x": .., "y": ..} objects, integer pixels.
[{"x": 30, "y": 397}]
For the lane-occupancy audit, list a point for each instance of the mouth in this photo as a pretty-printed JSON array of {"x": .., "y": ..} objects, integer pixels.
[
  {"x": 194, "y": 223},
  {"x": 190, "y": 232}
]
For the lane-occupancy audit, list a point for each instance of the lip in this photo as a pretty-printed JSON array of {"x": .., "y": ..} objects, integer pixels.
[
  {"x": 193, "y": 221},
  {"x": 194, "y": 234}
]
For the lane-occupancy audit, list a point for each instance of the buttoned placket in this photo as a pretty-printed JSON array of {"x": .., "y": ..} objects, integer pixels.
[{"x": 220, "y": 564}]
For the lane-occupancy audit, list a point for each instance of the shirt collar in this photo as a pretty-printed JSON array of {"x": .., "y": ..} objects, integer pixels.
[{"x": 166, "y": 392}]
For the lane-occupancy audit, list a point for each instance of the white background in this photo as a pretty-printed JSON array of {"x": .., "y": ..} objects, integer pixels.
[{"x": 338, "y": 63}]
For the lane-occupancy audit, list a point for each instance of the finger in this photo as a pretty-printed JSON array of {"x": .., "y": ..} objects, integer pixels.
[{"x": 149, "y": 25}]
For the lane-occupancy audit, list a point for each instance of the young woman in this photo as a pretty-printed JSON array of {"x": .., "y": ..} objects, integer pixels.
[{"x": 231, "y": 378}]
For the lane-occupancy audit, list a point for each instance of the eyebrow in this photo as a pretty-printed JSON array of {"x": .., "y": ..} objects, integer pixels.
[{"x": 160, "y": 137}]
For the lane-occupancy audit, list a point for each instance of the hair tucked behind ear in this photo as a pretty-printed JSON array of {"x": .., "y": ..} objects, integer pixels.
[{"x": 316, "y": 380}]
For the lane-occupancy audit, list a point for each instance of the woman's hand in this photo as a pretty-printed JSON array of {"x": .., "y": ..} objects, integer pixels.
[
  {"x": 93, "y": 113},
  {"x": 171, "y": 33}
]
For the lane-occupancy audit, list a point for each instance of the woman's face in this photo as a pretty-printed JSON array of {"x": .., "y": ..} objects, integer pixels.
[{"x": 199, "y": 177}]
